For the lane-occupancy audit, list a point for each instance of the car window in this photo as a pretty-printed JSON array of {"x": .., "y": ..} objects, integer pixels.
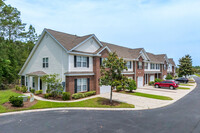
[{"x": 163, "y": 82}]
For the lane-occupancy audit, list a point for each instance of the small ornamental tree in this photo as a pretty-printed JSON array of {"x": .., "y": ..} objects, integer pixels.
[
  {"x": 54, "y": 84},
  {"x": 185, "y": 65},
  {"x": 111, "y": 73}
]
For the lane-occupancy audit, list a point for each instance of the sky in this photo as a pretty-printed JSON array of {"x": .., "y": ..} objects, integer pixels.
[{"x": 169, "y": 27}]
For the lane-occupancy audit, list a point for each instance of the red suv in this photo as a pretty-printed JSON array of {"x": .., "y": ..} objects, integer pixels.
[{"x": 166, "y": 83}]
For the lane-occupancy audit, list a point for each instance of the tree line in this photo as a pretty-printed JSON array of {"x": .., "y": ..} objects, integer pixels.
[{"x": 16, "y": 43}]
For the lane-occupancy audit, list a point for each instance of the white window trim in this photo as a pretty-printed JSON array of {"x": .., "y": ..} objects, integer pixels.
[
  {"x": 81, "y": 81},
  {"x": 45, "y": 61},
  {"x": 82, "y": 61}
]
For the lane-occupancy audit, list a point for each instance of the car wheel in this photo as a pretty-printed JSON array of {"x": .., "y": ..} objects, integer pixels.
[
  {"x": 157, "y": 86},
  {"x": 171, "y": 87}
]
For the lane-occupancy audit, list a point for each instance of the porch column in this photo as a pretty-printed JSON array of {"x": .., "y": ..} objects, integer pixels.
[
  {"x": 147, "y": 79},
  {"x": 29, "y": 85},
  {"x": 38, "y": 83}
]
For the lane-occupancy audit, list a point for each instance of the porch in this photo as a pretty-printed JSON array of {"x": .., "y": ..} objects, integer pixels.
[{"x": 33, "y": 81}]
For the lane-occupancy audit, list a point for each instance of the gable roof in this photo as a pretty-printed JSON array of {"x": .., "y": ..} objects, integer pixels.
[
  {"x": 171, "y": 61},
  {"x": 68, "y": 41},
  {"x": 123, "y": 51}
]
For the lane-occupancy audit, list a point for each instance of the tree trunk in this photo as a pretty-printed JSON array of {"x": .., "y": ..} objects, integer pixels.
[{"x": 111, "y": 94}]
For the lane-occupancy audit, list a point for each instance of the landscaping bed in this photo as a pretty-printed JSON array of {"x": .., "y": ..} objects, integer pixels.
[
  {"x": 97, "y": 102},
  {"x": 183, "y": 88},
  {"x": 27, "y": 104}
]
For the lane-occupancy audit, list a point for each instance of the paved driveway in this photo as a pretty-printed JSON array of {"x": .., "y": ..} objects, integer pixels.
[{"x": 181, "y": 117}]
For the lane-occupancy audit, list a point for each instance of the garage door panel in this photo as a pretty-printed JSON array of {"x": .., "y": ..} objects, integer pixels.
[{"x": 140, "y": 82}]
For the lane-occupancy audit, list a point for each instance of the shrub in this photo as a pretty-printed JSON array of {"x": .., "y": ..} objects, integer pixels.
[
  {"x": 17, "y": 87},
  {"x": 82, "y": 95},
  {"x": 23, "y": 89},
  {"x": 38, "y": 92},
  {"x": 66, "y": 96},
  {"x": 3, "y": 86},
  {"x": 32, "y": 91},
  {"x": 131, "y": 85},
  {"x": 151, "y": 83},
  {"x": 119, "y": 88},
  {"x": 16, "y": 101},
  {"x": 158, "y": 80},
  {"x": 46, "y": 95},
  {"x": 169, "y": 76}
]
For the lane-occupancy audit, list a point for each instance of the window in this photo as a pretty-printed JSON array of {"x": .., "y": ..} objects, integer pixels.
[
  {"x": 157, "y": 66},
  {"x": 165, "y": 66},
  {"x": 81, "y": 85},
  {"x": 146, "y": 66},
  {"x": 33, "y": 82},
  {"x": 128, "y": 64},
  {"x": 81, "y": 61},
  {"x": 101, "y": 61},
  {"x": 139, "y": 65},
  {"x": 45, "y": 62},
  {"x": 152, "y": 66}
]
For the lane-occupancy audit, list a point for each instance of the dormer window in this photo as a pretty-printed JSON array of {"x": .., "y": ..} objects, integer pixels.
[{"x": 45, "y": 63}]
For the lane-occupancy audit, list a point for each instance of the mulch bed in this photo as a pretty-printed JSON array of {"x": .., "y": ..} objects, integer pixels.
[
  {"x": 59, "y": 98},
  {"x": 107, "y": 102},
  {"x": 27, "y": 104}
]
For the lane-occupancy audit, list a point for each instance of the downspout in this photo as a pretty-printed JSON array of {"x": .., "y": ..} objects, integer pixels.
[{"x": 135, "y": 70}]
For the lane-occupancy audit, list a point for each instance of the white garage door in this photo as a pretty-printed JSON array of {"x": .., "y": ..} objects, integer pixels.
[
  {"x": 140, "y": 82},
  {"x": 104, "y": 89},
  {"x": 152, "y": 78}
]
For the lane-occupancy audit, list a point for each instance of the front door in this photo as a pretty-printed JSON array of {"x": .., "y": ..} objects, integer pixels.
[{"x": 40, "y": 84}]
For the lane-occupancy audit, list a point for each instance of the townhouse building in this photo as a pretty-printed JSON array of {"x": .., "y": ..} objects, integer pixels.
[{"x": 77, "y": 60}]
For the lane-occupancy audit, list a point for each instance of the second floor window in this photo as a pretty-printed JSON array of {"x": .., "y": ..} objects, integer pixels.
[
  {"x": 128, "y": 64},
  {"x": 165, "y": 67},
  {"x": 157, "y": 66},
  {"x": 81, "y": 61},
  {"x": 139, "y": 65},
  {"x": 45, "y": 63},
  {"x": 146, "y": 66},
  {"x": 152, "y": 66}
]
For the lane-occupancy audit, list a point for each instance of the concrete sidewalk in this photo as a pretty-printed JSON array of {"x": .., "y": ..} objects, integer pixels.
[{"x": 138, "y": 101}]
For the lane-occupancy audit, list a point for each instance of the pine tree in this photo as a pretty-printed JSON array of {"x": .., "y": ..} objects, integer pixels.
[{"x": 185, "y": 65}]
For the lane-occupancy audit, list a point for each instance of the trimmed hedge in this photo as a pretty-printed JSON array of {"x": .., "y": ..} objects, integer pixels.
[
  {"x": 16, "y": 101},
  {"x": 66, "y": 96},
  {"x": 38, "y": 92},
  {"x": 82, "y": 95},
  {"x": 23, "y": 89},
  {"x": 32, "y": 91},
  {"x": 46, "y": 95},
  {"x": 17, "y": 87}
]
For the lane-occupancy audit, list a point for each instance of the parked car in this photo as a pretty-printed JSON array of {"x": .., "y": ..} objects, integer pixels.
[
  {"x": 166, "y": 83},
  {"x": 182, "y": 80},
  {"x": 174, "y": 81}
]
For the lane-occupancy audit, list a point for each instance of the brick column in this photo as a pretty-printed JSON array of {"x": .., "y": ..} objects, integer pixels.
[{"x": 97, "y": 74}]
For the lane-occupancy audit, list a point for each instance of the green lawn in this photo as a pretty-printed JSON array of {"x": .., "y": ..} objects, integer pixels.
[
  {"x": 94, "y": 102},
  {"x": 186, "y": 85},
  {"x": 183, "y": 88},
  {"x": 197, "y": 75},
  {"x": 148, "y": 95}
]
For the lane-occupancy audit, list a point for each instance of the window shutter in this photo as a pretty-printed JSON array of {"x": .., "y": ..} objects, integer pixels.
[
  {"x": 88, "y": 84},
  {"x": 88, "y": 62},
  {"x": 74, "y": 60},
  {"x": 75, "y": 85},
  {"x": 131, "y": 64},
  {"x": 100, "y": 61}
]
